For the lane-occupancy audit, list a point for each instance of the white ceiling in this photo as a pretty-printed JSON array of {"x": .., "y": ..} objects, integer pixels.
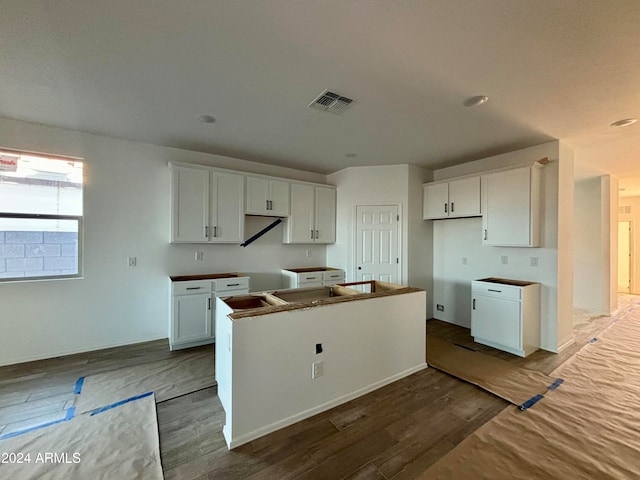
[{"x": 145, "y": 69}]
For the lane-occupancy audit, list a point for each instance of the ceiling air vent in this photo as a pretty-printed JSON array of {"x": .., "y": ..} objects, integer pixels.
[{"x": 331, "y": 102}]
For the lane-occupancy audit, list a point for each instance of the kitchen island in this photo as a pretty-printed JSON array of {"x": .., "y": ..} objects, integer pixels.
[{"x": 283, "y": 356}]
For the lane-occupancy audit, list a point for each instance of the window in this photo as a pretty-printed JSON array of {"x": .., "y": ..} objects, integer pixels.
[{"x": 40, "y": 217}]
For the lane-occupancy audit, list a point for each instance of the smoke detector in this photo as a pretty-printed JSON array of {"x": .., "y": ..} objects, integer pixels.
[{"x": 331, "y": 102}]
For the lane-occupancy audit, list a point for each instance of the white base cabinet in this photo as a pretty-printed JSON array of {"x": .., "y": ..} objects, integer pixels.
[
  {"x": 192, "y": 321},
  {"x": 505, "y": 314},
  {"x": 312, "y": 277}
]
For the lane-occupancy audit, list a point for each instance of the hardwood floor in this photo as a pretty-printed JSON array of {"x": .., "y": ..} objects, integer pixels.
[{"x": 395, "y": 432}]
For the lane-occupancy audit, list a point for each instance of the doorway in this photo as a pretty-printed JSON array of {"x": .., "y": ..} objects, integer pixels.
[
  {"x": 625, "y": 256},
  {"x": 377, "y": 252}
]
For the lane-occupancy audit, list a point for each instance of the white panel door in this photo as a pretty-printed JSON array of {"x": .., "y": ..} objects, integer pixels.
[
  {"x": 377, "y": 246},
  {"x": 228, "y": 208},
  {"x": 190, "y": 204}
]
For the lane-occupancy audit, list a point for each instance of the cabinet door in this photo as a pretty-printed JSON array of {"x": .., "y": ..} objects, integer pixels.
[
  {"x": 435, "y": 202},
  {"x": 279, "y": 197},
  {"x": 257, "y": 196},
  {"x": 325, "y": 215},
  {"x": 464, "y": 197},
  {"x": 507, "y": 208},
  {"x": 299, "y": 225},
  {"x": 497, "y": 320},
  {"x": 228, "y": 208},
  {"x": 191, "y": 318},
  {"x": 190, "y": 202}
]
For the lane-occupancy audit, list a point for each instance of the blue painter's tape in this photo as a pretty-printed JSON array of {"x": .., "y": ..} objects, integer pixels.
[
  {"x": 79, "y": 384},
  {"x": 593, "y": 340},
  {"x": 531, "y": 402},
  {"x": 71, "y": 412},
  {"x": 121, "y": 402},
  {"x": 555, "y": 384}
]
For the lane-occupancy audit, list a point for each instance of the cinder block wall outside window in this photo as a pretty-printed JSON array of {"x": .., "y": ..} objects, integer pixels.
[{"x": 36, "y": 254}]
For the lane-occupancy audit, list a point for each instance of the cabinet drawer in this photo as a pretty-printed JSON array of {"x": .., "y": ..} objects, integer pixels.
[
  {"x": 227, "y": 284},
  {"x": 496, "y": 290},
  {"x": 335, "y": 276},
  {"x": 310, "y": 277},
  {"x": 190, "y": 287}
]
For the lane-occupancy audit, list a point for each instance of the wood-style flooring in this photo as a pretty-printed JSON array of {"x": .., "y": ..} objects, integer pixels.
[{"x": 395, "y": 432}]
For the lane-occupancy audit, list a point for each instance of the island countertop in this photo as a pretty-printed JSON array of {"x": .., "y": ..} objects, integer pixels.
[{"x": 273, "y": 301}]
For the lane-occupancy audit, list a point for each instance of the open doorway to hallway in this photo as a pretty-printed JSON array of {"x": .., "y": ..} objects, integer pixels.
[{"x": 625, "y": 256}]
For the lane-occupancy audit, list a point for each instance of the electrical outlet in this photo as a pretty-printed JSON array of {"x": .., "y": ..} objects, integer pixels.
[
  {"x": 440, "y": 308},
  {"x": 199, "y": 255},
  {"x": 317, "y": 369},
  {"x": 504, "y": 259},
  {"x": 534, "y": 261},
  {"x": 132, "y": 261},
  {"x": 464, "y": 260}
]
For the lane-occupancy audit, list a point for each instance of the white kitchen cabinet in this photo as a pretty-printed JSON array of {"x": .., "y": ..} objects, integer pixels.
[
  {"x": 267, "y": 196},
  {"x": 505, "y": 314},
  {"x": 192, "y": 320},
  {"x": 312, "y": 277},
  {"x": 452, "y": 199},
  {"x": 313, "y": 215},
  {"x": 207, "y": 205},
  {"x": 511, "y": 207}
]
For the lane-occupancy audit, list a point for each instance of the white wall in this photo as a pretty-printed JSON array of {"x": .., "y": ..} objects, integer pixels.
[
  {"x": 455, "y": 239},
  {"x": 127, "y": 213},
  {"x": 385, "y": 185},
  {"x": 589, "y": 289}
]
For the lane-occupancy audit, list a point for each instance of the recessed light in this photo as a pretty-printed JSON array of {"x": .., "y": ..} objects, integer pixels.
[
  {"x": 476, "y": 101},
  {"x": 624, "y": 122},
  {"x": 350, "y": 155},
  {"x": 206, "y": 119}
]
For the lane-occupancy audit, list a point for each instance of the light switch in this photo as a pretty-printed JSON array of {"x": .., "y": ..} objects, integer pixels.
[{"x": 131, "y": 261}]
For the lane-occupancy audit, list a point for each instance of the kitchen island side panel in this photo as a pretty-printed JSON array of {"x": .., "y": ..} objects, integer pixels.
[{"x": 366, "y": 344}]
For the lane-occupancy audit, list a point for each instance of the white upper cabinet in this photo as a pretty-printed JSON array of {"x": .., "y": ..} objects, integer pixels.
[
  {"x": 325, "y": 215},
  {"x": 511, "y": 208},
  {"x": 456, "y": 198},
  {"x": 190, "y": 204},
  {"x": 313, "y": 215},
  {"x": 207, "y": 206},
  {"x": 266, "y": 196},
  {"x": 227, "y": 216}
]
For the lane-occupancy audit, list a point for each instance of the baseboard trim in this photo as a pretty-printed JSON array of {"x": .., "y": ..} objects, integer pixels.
[
  {"x": 75, "y": 351},
  {"x": 247, "y": 437}
]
